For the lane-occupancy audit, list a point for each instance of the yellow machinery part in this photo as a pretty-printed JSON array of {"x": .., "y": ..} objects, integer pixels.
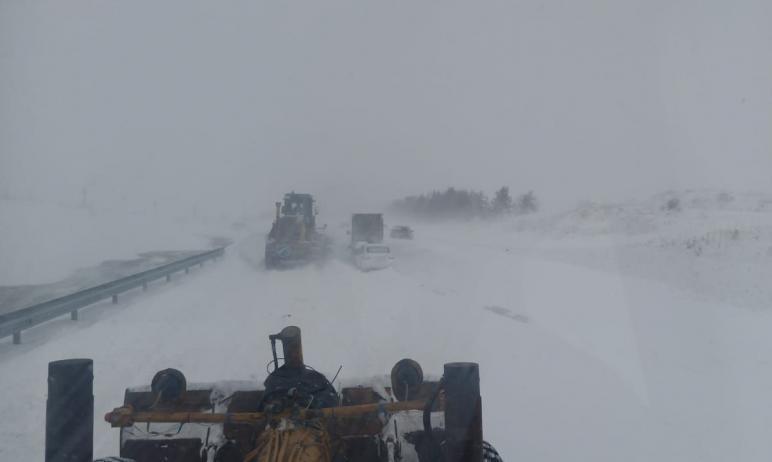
[{"x": 304, "y": 444}]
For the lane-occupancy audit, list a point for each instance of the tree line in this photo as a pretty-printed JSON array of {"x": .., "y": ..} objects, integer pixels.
[{"x": 455, "y": 203}]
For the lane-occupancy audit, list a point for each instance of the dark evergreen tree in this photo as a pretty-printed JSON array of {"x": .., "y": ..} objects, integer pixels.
[
  {"x": 449, "y": 204},
  {"x": 502, "y": 201},
  {"x": 527, "y": 203}
]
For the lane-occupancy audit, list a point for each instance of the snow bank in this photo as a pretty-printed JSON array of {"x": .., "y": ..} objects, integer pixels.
[{"x": 714, "y": 244}]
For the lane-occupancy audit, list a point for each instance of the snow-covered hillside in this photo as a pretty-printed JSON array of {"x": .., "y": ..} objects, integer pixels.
[
  {"x": 601, "y": 336},
  {"x": 714, "y": 244}
]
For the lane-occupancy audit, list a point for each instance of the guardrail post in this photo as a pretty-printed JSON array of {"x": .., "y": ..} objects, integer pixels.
[
  {"x": 17, "y": 338},
  {"x": 115, "y": 299},
  {"x": 74, "y": 315}
]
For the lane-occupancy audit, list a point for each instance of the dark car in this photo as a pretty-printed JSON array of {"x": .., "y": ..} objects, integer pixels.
[{"x": 401, "y": 232}]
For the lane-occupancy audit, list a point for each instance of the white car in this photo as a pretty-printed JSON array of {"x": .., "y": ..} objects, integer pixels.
[{"x": 372, "y": 256}]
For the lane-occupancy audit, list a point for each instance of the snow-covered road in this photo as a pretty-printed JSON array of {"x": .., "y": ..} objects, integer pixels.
[{"x": 576, "y": 364}]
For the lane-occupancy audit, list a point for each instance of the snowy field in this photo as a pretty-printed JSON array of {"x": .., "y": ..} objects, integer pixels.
[
  {"x": 602, "y": 334},
  {"x": 44, "y": 242}
]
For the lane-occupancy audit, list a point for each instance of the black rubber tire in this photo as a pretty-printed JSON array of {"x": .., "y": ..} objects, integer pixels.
[{"x": 490, "y": 454}]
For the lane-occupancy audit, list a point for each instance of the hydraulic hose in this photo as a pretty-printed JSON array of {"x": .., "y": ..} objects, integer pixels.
[{"x": 428, "y": 413}]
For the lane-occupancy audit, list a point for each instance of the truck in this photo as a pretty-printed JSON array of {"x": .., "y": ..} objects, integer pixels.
[
  {"x": 366, "y": 227},
  {"x": 294, "y": 237},
  {"x": 367, "y": 247}
]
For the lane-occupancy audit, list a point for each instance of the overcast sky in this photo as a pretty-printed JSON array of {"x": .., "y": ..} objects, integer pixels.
[{"x": 229, "y": 104}]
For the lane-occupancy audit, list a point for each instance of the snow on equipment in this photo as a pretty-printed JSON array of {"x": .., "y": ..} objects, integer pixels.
[
  {"x": 296, "y": 417},
  {"x": 294, "y": 237}
]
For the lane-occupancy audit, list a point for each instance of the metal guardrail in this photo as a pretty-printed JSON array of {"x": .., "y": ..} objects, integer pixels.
[{"x": 15, "y": 322}]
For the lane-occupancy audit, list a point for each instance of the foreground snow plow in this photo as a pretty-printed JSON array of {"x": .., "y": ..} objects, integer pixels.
[{"x": 298, "y": 416}]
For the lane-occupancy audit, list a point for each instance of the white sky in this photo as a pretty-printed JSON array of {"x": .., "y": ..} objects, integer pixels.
[{"x": 228, "y": 105}]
